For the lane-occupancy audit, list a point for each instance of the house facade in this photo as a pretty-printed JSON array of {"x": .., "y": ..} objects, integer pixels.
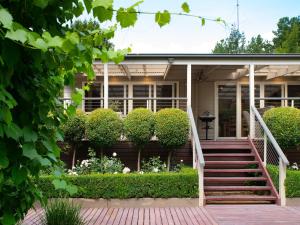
[{"x": 218, "y": 84}]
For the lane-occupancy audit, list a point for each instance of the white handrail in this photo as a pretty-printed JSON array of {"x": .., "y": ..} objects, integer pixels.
[
  {"x": 196, "y": 136},
  {"x": 270, "y": 136}
]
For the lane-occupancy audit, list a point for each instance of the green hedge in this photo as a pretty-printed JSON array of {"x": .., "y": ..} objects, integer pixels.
[
  {"x": 152, "y": 185},
  {"x": 292, "y": 181}
]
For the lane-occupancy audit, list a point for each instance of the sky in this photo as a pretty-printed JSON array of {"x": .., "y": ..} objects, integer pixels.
[{"x": 186, "y": 35}]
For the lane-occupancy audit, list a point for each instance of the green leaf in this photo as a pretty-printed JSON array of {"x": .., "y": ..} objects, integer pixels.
[
  {"x": 29, "y": 134},
  {"x": 203, "y": 21},
  {"x": 4, "y": 162},
  {"x": 41, "y": 3},
  {"x": 71, "y": 189},
  {"x": 44, "y": 161},
  {"x": 19, "y": 175},
  {"x": 126, "y": 17},
  {"x": 103, "y": 14},
  {"x": 185, "y": 7},
  {"x": 13, "y": 131},
  {"x": 17, "y": 35},
  {"x": 77, "y": 97},
  {"x": 102, "y": 3},
  {"x": 59, "y": 184},
  {"x": 8, "y": 219},
  {"x": 40, "y": 44},
  {"x": 5, "y": 115},
  {"x": 29, "y": 151},
  {"x": 88, "y": 5},
  {"x": 162, "y": 18},
  {"x": 6, "y": 18}
]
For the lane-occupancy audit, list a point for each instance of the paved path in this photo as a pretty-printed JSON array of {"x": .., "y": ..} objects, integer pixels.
[{"x": 209, "y": 215}]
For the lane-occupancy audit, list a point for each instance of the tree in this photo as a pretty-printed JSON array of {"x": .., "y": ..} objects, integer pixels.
[
  {"x": 233, "y": 44},
  {"x": 287, "y": 35},
  {"x": 259, "y": 45},
  {"x": 39, "y": 54}
]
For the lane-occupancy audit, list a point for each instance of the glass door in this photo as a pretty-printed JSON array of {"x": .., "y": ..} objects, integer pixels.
[
  {"x": 227, "y": 110},
  {"x": 141, "y": 91}
]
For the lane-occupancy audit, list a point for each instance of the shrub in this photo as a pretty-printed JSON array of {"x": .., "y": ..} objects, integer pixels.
[
  {"x": 284, "y": 123},
  {"x": 152, "y": 185},
  {"x": 62, "y": 212},
  {"x": 139, "y": 128},
  {"x": 292, "y": 182},
  {"x": 171, "y": 129},
  {"x": 154, "y": 165},
  {"x": 103, "y": 128},
  {"x": 74, "y": 131}
]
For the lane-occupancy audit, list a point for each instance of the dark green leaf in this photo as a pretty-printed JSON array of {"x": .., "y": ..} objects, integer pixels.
[
  {"x": 103, "y": 14},
  {"x": 8, "y": 219},
  {"x": 5, "y": 115},
  {"x": 19, "y": 175},
  {"x": 29, "y": 151},
  {"x": 41, "y": 3},
  {"x": 6, "y": 18},
  {"x": 185, "y": 7},
  {"x": 88, "y": 5},
  {"x": 3, "y": 161},
  {"x": 162, "y": 18},
  {"x": 12, "y": 131},
  {"x": 29, "y": 134}
]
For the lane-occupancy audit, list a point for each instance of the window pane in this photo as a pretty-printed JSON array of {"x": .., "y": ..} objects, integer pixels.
[
  {"x": 227, "y": 110},
  {"x": 116, "y": 91},
  {"x": 140, "y": 91},
  {"x": 94, "y": 92},
  {"x": 273, "y": 91},
  {"x": 294, "y": 91},
  {"x": 164, "y": 91}
]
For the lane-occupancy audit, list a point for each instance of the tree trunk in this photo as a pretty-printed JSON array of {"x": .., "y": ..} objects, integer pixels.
[
  {"x": 169, "y": 160},
  {"x": 139, "y": 160},
  {"x": 74, "y": 157}
]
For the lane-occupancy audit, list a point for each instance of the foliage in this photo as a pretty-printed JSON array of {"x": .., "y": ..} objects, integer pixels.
[
  {"x": 152, "y": 185},
  {"x": 287, "y": 35},
  {"x": 171, "y": 127},
  {"x": 96, "y": 165},
  {"x": 236, "y": 43},
  {"x": 62, "y": 212},
  {"x": 292, "y": 182},
  {"x": 103, "y": 127},
  {"x": 154, "y": 165},
  {"x": 284, "y": 123},
  {"x": 139, "y": 128}
]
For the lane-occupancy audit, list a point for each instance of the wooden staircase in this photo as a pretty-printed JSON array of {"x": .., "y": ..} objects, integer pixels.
[{"x": 234, "y": 174}]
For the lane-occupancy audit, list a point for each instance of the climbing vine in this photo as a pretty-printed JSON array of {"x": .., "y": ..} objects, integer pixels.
[{"x": 40, "y": 53}]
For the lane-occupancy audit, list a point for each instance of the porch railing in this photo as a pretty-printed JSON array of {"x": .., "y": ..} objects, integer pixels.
[
  {"x": 271, "y": 154},
  {"x": 284, "y": 101},
  {"x": 198, "y": 159},
  {"x": 126, "y": 105}
]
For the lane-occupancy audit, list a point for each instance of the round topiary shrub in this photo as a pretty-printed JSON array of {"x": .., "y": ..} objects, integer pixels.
[
  {"x": 284, "y": 123},
  {"x": 103, "y": 128},
  {"x": 139, "y": 128},
  {"x": 74, "y": 131},
  {"x": 171, "y": 129}
]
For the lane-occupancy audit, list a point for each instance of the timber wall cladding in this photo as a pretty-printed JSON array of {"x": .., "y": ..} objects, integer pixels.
[{"x": 128, "y": 154}]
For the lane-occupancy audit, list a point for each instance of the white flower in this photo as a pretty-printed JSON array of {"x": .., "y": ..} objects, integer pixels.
[
  {"x": 71, "y": 172},
  {"x": 181, "y": 160},
  {"x": 155, "y": 170},
  {"x": 114, "y": 154},
  {"x": 165, "y": 165},
  {"x": 141, "y": 172},
  {"x": 115, "y": 172},
  {"x": 295, "y": 166},
  {"x": 85, "y": 163},
  {"x": 126, "y": 170}
]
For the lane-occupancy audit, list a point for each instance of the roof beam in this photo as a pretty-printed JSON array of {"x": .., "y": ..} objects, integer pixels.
[
  {"x": 282, "y": 72},
  {"x": 125, "y": 69}
]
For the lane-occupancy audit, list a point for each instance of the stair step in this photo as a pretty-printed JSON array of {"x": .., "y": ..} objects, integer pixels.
[
  {"x": 237, "y": 188},
  {"x": 241, "y": 198},
  {"x": 232, "y": 170},
  {"x": 227, "y": 154},
  {"x": 222, "y": 179},
  {"x": 231, "y": 162},
  {"x": 229, "y": 146}
]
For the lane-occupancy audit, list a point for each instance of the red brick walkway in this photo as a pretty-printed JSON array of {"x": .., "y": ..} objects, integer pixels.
[{"x": 212, "y": 214}]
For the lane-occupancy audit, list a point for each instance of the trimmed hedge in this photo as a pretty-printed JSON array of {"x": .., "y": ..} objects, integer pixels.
[
  {"x": 149, "y": 185},
  {"x": 284, "y": 123},
  {"x": 292, "y": 182}
]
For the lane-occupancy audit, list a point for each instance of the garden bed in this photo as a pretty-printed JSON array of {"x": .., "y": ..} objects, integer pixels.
[{"x": 183, "y": 184}]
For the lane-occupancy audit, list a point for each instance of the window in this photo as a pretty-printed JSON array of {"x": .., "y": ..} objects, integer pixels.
[
  {"x": 294, "y": 91},
  {"x": 273, "y": 91},
  {"x": 164, "y": 91},
  {"x": 115, "y": 92},
  {"x": 94, "y": 92}
]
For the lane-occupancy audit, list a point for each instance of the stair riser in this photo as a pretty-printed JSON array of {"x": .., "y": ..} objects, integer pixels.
[
  {"x": 231, "y": 183},
  {"x": 226, "y": 151},
  {"x": 239, "y": 202},
  {"x": 229, "y": 158},
  {"x": 228, "y": 193},
  {"x": 232, "y": 174},
  {"x": 226, "y": 166}
]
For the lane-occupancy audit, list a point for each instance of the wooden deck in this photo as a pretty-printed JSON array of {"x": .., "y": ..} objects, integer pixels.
[{"x": 209, "y": 215}]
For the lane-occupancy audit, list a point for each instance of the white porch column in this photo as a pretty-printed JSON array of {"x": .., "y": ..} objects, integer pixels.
[
  {"x": 251, "y": 99},
  {"x": 105, "y": 70},
  {"x": 189, "y": 84},
  {"x": 67, "y": 96}
]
